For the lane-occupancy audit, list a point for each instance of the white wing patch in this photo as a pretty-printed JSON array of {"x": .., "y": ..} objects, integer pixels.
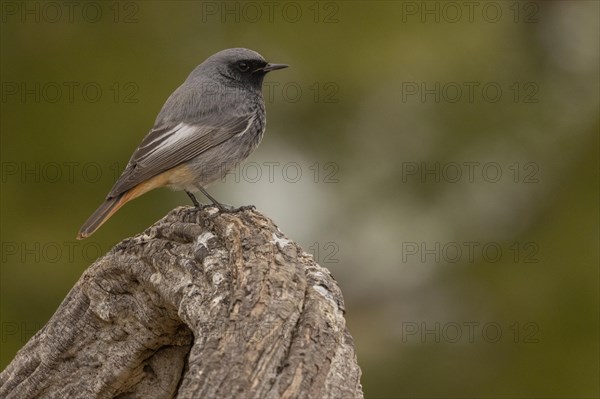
[{"x": 179, "y": 133}]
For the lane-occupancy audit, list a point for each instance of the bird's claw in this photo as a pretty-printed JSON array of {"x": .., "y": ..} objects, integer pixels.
[{"x": 224, "y": 208}]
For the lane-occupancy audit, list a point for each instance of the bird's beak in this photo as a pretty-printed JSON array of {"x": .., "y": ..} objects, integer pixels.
[{"x": 271, "y": 67}]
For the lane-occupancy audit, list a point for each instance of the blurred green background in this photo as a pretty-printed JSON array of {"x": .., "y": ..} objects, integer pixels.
[{"x": 441, "y": 159}]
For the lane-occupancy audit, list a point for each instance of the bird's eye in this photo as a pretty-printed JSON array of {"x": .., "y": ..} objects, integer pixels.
[{"x": 243, "y": 66}]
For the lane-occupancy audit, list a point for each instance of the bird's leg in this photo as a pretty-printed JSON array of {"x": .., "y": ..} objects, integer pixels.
[
  {"x": 222, "y": 207},
  {"x": 194, "y": 200},
  {"x": 214, "y": 201}
]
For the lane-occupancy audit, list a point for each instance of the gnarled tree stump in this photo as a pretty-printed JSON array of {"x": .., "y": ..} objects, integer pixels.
[{"x": 203, "y": 304}]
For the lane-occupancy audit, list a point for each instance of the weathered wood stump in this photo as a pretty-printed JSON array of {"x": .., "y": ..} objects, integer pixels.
[{"x": 203, "y": 304}]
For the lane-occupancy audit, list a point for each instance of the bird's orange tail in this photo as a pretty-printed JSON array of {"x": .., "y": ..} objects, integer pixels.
[
  {"x": 101, "y": 215},
  {"x": 111, "y": 205}
]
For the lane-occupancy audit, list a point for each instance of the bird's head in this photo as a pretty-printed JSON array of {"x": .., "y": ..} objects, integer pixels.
[{"x": 237, "y": 66}]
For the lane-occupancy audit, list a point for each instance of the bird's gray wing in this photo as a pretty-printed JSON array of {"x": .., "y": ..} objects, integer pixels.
[{"x": 168, "y": 146}]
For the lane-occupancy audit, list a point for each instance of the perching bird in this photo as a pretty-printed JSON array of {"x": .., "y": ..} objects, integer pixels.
[{"x": 213, "y": 121}]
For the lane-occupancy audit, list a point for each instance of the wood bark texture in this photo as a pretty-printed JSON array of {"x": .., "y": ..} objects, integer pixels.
[{"x": 203, "y": 304}]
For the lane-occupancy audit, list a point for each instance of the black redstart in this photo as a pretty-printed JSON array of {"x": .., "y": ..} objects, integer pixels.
[{"x": 213, "y": 121}]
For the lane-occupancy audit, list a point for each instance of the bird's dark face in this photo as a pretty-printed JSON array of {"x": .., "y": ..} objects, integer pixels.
[
  {"x": 251, "y": 71},
  {"x": 243, "y": 67}
]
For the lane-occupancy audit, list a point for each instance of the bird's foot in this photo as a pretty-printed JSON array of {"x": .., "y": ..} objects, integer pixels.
[
  {"x": 193, "y": 198},
  {"x": 244, "y": 208}
]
